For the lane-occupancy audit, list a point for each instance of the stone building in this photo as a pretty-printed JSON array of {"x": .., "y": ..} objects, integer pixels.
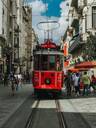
[
  {"x": 82, "y": 22},
  {"x": 16, "y": 36},
  {"x": 3, "y": 35}
]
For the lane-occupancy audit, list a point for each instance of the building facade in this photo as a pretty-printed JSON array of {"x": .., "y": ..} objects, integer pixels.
[
  {"x": 3, "y": 35},
  {"x": 17, "y": 37},
  {"x": 81, "y": 29}
]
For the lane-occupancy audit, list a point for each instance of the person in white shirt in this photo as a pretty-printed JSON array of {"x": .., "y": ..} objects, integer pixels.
[
  {"x": 20, "y": 80},
  {"x": 77, "y": 84}
]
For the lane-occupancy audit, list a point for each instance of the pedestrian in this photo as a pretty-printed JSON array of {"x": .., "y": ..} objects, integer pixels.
[
  {"x": 1, "y": 78},
  {"x": 68, "y": 84},
  {"x": 93, "y": 82},
  {"x": 17, "y": 82},
  {"x": 12, "y": 81},
  {"x": 77, "y": 84},
  {"x": 20, "y": 80},
  {"x": 72, "y": 81},
  {"x": 86, "y": 81},
  {"x": 5, "y": 79},
  {"x": 58, "y": 65}
]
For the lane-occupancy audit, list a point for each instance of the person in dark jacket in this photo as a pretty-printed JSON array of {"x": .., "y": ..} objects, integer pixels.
[{"x": 68, "y": 84}]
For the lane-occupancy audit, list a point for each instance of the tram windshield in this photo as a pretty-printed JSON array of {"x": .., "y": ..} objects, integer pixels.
[{"x": 48, "y": 62}]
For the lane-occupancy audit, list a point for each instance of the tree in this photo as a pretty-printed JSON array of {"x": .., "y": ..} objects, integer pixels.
[{"x": 90, "y": 48}]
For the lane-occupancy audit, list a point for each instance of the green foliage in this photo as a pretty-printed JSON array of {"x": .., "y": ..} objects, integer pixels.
[{"x": 90, "y": 47}]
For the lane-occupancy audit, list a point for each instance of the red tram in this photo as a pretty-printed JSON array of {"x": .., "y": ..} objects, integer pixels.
[{"x": 48, "y": 67}]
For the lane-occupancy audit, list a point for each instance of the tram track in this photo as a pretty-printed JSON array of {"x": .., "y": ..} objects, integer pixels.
[
  {"x": 32, "y": 115},
  {"x": 62, "y": 122},
  {"x": 77, "y": 120},
  {"x": 59, "y": 115}
]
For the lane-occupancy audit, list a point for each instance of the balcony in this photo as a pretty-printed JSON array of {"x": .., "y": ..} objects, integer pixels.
[{"x": 77, "y": 42}]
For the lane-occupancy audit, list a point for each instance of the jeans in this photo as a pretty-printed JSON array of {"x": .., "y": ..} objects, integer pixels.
[{"x": 86, "y": 89}]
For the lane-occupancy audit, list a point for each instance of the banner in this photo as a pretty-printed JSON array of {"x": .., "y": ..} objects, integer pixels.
[{"x": 65, "y": 49}]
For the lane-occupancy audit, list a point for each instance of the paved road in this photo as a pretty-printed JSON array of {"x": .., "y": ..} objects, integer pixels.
[
  {"x": 71, "y": 108},
  {"x": 86, "y": 107},
  {"x": 9, "y": 104}
]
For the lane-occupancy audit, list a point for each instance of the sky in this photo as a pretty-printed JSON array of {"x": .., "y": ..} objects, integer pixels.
[{"x": 54, "y": 10}]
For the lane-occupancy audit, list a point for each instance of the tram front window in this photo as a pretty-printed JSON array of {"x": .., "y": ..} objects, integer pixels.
[
  {"x": 44, "y": 62},
  {"x": 48, "y": 62},
  {"x": 52, "y": 62}
]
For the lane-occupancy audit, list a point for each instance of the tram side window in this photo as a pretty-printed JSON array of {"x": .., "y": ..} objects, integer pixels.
[
  {"x": 61, "y": 62},
  {"x": 37, "y": 62}
]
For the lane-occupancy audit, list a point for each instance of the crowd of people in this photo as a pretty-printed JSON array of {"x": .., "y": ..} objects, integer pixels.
[
  {"x": 15, "y": 81},
  {"x": 80, "y": 83}
]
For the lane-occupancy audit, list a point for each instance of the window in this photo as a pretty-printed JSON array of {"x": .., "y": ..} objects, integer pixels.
[
  {"x": 3, "y": 11},
  {"x": 59, "y": 63},
  {"x": 94, "y": 17},
  {"x": 3, "y": 31},
  {"x": 48, "y": 62},
  {"x": 44, "y": 62},
  {"x": 37, "y": 62},
  {"x": 52, "y": 64}
]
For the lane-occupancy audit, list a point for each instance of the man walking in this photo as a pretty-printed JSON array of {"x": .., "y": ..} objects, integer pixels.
[{"x": 86, "y": 81}]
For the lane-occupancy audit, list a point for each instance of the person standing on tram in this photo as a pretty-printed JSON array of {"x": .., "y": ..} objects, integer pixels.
[{"x": 58, "y": 65}]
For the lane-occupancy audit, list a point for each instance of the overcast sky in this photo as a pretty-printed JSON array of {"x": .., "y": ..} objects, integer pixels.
[{"x": 52, "y": 10}]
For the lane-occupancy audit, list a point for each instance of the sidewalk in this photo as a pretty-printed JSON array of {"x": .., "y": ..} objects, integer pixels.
[{"x": 9, "y": 104}]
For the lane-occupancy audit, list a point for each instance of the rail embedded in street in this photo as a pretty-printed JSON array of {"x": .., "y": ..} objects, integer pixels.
[
  {"x": 31, "y": 117},
  {"x": 60, "y": 115}
]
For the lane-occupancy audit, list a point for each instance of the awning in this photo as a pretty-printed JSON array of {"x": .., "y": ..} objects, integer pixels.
[
  {"x": 73, "y": 70},
  {"x": 88, "y": 64},
  {"x": 83, "y": 69}
]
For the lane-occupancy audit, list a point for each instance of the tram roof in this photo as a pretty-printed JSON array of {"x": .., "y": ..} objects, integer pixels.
[{"x": 44, "y": 52}]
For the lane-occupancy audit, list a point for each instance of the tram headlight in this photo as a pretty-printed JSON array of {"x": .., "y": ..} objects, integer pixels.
[{"x": 47, "y": 81}]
